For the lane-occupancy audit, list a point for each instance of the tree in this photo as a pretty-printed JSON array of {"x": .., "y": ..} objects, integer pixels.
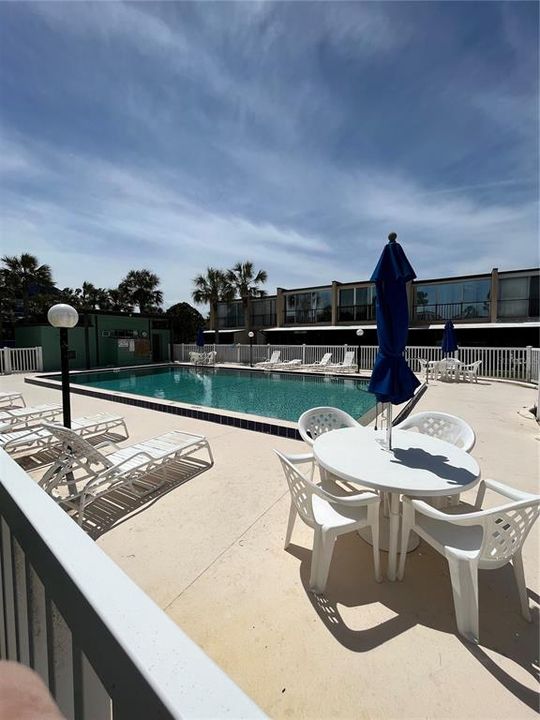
[
  {"x": 91, "y": 297},
  {"x": 185, "y": 321},
  {"x": 118, "y": 301},
  {"x": 24, "y": 278},
  {"x": 246, "y": 282},
  {"x": 141, "y": 287},
  {"x": 211, "y": 289}
]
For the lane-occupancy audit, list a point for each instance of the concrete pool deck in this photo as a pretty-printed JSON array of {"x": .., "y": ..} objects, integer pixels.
[{"x": 210, "y": 554}]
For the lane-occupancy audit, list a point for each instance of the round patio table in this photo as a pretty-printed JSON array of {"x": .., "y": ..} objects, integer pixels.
[{"x": 417, "y": 466}]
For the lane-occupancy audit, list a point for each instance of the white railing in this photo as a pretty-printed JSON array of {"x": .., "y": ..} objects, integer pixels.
[
  {"x": 20, "y": 360},
  {"x": 510, "y": 363},
  {"x": 102, "y": 646}
]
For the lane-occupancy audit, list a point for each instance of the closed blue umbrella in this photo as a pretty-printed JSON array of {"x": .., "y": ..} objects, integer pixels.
[
  {"x": 392, "y": 380},
  {"x": 200, "y": 337},
  {"x": 449, "y": 343}
]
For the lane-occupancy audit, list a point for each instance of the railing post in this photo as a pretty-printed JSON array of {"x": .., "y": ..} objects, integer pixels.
[
  {"x": 304, "y": 354},
  {"x": 7, "y": 360},
  {"x": 528, "y": 363},
  {"x": 39, "y": 353},
  {"x": 238, "y": 354}
]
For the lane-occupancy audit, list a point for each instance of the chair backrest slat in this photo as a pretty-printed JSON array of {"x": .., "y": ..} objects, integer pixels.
[
  {"x": 505, "y": 530},
  {"x": 446, "y": 427}
]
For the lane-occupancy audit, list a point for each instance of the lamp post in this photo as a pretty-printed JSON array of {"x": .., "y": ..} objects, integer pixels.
[
  {"x": 64, "y": 317},
  {"x": 359, "y": 334},
  {"x": 251, "y": 335}
]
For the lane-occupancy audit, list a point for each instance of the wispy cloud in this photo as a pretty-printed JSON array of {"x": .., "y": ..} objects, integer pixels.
[{"x": 176, "y": 135}]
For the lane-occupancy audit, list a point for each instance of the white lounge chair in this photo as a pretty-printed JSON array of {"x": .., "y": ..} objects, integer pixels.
[
  {"x": 8, "y": 399},
  {"x": 27, "y": 415},
  {"x": 480, "y": 540},
  {"x": 274, "y": 360},
  {"x": 102, "y": 474},
  {"x": 323, "y": 362},
  {"x": 346, "y": 366},
  {"x": 287, "y": 365},
  {"x": 36, "y": 438},
  {"x": 329, "y": 516}
]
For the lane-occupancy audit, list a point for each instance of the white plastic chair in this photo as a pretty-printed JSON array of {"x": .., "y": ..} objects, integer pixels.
[
  {"x": 346, "y": 366},
  {"x": 470, "y": 372},
  {"x": 274, "y": 360},
  {"x": 319, "y": 420},
  {"x": 329, "y": 516},
  {"x": 481, "y": 540},
  {"x": 322, "y": 363},
  {"x": 441, "y": 425},
  {"x": 428, "y": 368}
]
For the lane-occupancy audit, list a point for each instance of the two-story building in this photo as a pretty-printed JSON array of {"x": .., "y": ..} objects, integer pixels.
[{"x": 498, "y": 308}]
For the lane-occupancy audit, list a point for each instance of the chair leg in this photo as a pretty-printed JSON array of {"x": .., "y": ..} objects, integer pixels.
[
  {"x": 290, "y": 525},
  {"x": 323, "y": 548},
  {"x": 517, "y": 564},
  {"x": 464, "y": 577}
]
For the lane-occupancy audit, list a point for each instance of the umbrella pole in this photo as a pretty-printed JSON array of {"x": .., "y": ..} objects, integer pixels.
[{"x": 389, "y": 426}]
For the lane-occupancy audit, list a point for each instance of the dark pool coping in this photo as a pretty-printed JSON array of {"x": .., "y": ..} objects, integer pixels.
[{"x": 255, "y": 423}]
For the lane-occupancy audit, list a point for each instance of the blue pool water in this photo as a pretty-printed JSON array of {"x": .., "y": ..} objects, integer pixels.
[{"x": 276, "y": 395}]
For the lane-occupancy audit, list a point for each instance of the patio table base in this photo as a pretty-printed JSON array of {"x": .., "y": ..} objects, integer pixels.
[{"x": 384, "y": 534}]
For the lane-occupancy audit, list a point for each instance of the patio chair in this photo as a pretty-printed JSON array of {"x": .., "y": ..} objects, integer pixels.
[
  {"x": 329, "y": 516},
  {"x": 36, "y": 438},
  {"x": 8, "y": 399},
  {"x": 470, "y": 372},
  {"x": 24, "y": 416},
  {"x": 319, "y": 420},
  {"x": 449, "y": 369},
  {"x": 103, "y": 474},
  {"x": 480, "y": 540},
  {"x": 429, "y": 368},
  {"x": 274, "y": 360},
  {"x": 346, "y": 366},
  {"x": 441, "y": 425},
  {"x": 322, "y": 363}
]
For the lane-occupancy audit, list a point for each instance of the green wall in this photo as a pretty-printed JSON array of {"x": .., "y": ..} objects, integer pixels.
[{"x": 110, "y": 352}]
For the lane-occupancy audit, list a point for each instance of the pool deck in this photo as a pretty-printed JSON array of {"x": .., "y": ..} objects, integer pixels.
[{"x": 210, "y": 553}]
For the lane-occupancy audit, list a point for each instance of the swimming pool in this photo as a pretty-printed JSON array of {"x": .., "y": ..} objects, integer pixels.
[{"x": 274, "y": 395}]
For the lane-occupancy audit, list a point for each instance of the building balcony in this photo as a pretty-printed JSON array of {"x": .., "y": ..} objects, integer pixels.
[
  {"x": 308, "y": 317},
  {"x": 451, "y": 311}
]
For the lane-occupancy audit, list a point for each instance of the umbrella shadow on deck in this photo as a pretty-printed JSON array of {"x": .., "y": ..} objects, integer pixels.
[
  {"x": 114, "y": 508},
  {"x": 362, "y": 614}
]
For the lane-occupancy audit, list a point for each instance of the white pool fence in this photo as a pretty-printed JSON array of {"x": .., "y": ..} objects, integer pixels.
[{"x": 507, "y": 362}]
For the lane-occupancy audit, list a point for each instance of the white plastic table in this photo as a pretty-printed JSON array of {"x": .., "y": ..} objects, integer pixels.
[{"x": 417, "y": 466}]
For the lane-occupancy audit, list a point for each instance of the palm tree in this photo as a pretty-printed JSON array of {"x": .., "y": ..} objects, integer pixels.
[
  {"x": 117, "y": 301},
  {"x": 141, "y": 288},
  {"x": 23, "y": 277},
  {"x": 211, "y": 289},
  {"x": 246, "y": 283},
  {"x": 91, "y": 297}
]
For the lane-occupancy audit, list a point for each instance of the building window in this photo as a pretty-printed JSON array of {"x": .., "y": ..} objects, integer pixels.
[
  {"x": 230, "y": 315},
  {"x": 518, "y": 297},
  {"x": 460, "y": 300},
  {"x": 357, "y": 303},
  {"x": 309, "y": 307}
]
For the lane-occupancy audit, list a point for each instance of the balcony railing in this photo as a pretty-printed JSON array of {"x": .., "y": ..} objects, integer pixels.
[
  {"x": 362, "y": 313},
  {"x": 452, "y": 311},
  {"x": 307, "y": 317},
  {"x": 102, "y": 646}
]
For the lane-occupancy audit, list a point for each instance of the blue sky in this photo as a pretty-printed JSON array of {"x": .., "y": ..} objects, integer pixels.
[{"x": 177, "y": 135}]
